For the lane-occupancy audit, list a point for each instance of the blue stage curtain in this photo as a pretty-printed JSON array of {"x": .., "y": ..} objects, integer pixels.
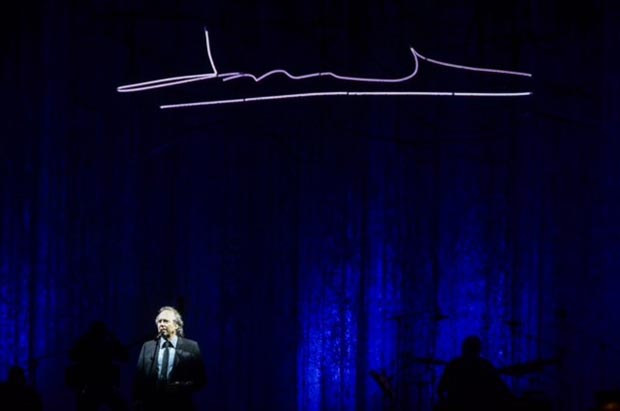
[{"x": 310, "y": 242}]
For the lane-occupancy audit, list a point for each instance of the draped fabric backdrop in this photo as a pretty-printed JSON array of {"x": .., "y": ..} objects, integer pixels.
[{"x": 309, "y": 242}]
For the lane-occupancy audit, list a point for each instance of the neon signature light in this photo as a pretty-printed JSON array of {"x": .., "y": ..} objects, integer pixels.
[{"x": 173, "y": 81}]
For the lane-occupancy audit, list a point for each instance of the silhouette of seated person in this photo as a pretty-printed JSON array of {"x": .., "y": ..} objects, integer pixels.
[
  {"x": 17, "y": 395},
  {"x": 95, "y": 371},
  {"x": 472, "y": 383}
]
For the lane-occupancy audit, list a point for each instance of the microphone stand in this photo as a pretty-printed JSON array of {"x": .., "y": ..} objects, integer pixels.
[{"x": 155, "y": 351}]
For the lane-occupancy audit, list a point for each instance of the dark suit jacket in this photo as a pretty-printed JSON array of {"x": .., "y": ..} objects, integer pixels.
[{"x": 186, "y": 377}]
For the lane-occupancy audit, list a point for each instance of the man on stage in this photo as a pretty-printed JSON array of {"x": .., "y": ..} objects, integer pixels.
[{"x": 170, "y": 367}]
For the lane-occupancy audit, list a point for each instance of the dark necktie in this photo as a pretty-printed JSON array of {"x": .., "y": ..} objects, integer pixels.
[{"x": 163, "y": 373}]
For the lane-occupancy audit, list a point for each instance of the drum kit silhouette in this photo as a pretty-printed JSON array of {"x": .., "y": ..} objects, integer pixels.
[{"x": 392, "y": 385}]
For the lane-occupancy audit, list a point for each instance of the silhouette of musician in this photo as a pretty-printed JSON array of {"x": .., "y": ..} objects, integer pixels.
[
  {"x": 95, "y": 372},
  {"x": 17, "y": 394},
  {"x": 471, "y": 382}
]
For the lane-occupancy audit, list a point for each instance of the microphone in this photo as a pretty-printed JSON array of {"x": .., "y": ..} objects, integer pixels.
[{"x": 158, "y": 336}]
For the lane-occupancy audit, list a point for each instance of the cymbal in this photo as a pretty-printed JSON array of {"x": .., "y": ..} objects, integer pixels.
[
  {"x": 428, "y": 361},
  {"x": 529, "y": 367},
  {"x": 430, "y": 315},
  {"x": 408, "y": 358}
]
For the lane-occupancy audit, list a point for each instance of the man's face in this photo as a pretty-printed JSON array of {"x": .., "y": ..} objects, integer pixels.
[{"x": 165, "y": 324}]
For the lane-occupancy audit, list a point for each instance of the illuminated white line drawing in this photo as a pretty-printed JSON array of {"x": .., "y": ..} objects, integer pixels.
[
  {"x": 173, "y": 81},
  {"x": 344, "y": 93}
]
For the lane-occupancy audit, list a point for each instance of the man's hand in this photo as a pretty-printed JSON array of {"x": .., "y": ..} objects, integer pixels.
[{"x": 178, "y": 386}]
